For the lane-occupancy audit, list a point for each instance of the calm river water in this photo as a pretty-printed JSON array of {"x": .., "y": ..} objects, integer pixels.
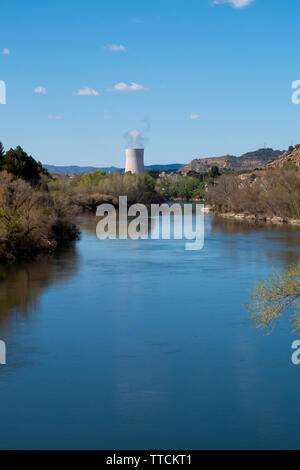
[{"x": 141, "y": 344}]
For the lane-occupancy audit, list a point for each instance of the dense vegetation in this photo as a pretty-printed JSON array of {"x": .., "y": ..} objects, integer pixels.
[
  {"x": 191, "y": 187},
  {"x": 32, "y": 220},
  {"x": 137, "y": 188},
  {"x": 270, "y": 193},
  {"x": 147, "y": 188}
]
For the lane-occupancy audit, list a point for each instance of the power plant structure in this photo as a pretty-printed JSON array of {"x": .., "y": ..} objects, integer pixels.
[{"x": 135, "y": 161}]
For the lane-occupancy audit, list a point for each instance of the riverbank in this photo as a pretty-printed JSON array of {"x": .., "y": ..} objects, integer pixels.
[
  {"x": 253, "y": 217},
  {"x": 272, "y": 195}
]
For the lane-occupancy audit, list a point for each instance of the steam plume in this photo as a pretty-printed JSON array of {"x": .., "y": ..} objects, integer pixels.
[{"x": 135, "y": 138}]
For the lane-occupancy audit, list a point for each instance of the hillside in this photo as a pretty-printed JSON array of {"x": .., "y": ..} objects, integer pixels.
[
  {"x": 248, "y": 161},
  {"x": 291, "y": 156},
  {"x": 79, "y": 170}
]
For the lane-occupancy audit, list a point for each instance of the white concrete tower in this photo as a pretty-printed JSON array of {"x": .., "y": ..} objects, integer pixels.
[{"x": 134, "y": 160}]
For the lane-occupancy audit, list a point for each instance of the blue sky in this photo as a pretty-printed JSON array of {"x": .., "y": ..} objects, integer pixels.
[{"x": 229, "y": 66}]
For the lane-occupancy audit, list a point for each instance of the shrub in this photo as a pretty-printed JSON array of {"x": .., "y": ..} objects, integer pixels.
[{"x": 32, "y": 221}]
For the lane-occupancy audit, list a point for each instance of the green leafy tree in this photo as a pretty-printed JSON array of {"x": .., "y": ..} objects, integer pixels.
[
  {"x": 182, "y": 187},
  {"x": 93, "y": 178},
  {"x": 21, "y": 165},
  {"x": 271, "y": 298}
]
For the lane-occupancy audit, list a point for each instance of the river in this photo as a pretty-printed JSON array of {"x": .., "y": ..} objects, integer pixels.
[{"x": 124, "y": 344}]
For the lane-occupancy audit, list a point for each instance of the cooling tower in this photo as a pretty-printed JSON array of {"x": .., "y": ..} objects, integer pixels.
[{"x": 135, "y": 160}]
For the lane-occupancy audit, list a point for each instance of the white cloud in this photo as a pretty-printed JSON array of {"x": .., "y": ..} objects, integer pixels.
[
  {"x": 124, "y": 87},
  {"x": 235, "y": 3},
  {"x": 116, "y": 48},
  {"x": 86, "y": 92},
  {"x": 54, "y": 117},
  {"x": 6, "y": 51},
  {"x": 194, "y": 116},
  {"x": 41, "y": 90}
]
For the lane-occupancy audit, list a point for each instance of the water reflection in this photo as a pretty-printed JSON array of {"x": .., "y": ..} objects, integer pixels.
[
  {"x": 223, "y": 225},
  {"x": 21, "y": 285},
  {"x": 274, "y": 242}
]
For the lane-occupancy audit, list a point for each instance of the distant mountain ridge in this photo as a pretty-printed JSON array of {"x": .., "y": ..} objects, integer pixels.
[
  {"x": 79, "y": 170},
  {"x": 248, "y": 161}
]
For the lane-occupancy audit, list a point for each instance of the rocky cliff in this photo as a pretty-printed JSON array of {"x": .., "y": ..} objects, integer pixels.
[{"x": 291, "y": 156}]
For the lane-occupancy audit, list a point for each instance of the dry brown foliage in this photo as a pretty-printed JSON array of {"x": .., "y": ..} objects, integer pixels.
[
  {"x": 32, "y": 221},
  {"x": 270, "y": 193}
]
